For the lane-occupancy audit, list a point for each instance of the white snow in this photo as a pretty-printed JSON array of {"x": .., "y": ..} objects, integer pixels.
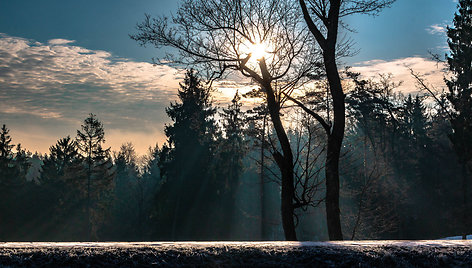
[
  {"x": 280, "y": 244},
  {"x": 459, "y": 237}
]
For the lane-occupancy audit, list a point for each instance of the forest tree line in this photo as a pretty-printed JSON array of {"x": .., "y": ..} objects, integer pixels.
[{"x": 215, "y": 177}]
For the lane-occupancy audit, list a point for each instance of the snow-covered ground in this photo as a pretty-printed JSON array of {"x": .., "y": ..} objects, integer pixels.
[
  {"x": 427, "y": 253},
  {"x": 459, "y": 237},
  {"x": 455, "y": 241}
]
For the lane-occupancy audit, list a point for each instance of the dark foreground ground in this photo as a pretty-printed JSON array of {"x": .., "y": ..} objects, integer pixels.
[{"x": 240, "y": 254}]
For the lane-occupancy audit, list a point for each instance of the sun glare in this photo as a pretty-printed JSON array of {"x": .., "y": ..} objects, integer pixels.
[{"x": 258, "y": 51}]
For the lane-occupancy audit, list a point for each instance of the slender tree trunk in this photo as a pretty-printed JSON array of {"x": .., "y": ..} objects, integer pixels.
[
  {"x": 464, "y": 204},
  {"x": 140, "y": 210},
  {"x": 285, "y": 164},
  {"x": 262, "y": 195},
  {"x": 335, "y": 140},
  {"x": 175, "y": 220},
  {"x": 89, "y": 175}
]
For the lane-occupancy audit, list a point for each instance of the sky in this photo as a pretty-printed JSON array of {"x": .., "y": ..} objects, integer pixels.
[{"x": 61, "y": 60}]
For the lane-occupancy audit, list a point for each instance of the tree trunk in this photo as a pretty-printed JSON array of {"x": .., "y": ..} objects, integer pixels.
[
  {"x": 262, "y": 192},
  {"x": 464, "y": 205},
  {"x": 332, "y": 191},
  {"x": 335, "y": 140},
  {"x": 285, "y": 164},
  {"x": 89, "y": 175}
]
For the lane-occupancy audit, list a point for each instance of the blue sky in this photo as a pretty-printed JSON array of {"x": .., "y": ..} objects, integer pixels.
[{"x": 60, "y": 60}]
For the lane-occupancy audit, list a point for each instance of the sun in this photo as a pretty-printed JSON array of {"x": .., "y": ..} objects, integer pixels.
[{"x": 258, "y": 51}]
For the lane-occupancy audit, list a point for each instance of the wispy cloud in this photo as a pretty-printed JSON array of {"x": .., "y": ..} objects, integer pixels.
[
  {"x": 60, "y": 41},
  {"x": 432, "y": 71},
  {"x": 439, "y": 28},
  {"x": 58, "y": 83},
  {"x": 47, "y": 89}
]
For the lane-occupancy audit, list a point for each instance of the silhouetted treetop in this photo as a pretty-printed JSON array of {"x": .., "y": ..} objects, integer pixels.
[{"x": 220, "y": 36}]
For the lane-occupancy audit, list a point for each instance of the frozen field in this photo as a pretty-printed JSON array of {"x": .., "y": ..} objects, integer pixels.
[{"x": 434, "y": 253}]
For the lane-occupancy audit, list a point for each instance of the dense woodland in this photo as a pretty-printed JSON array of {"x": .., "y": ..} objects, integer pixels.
[
  {"x": 214, "y": 179},
  {"x": 404, "y": 163}
]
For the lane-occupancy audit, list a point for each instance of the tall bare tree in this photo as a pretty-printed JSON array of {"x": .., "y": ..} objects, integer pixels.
[
  {"x": 323, "y": 18},
  {"x": 264, "y": 40}
]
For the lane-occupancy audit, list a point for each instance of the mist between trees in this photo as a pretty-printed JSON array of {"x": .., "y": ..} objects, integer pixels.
[{"x": 384, "y": 165}]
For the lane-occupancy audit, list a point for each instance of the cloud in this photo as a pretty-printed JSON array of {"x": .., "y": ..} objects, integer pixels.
[
  {"x": 432, "y": 71},
  {"x": 439, "y": 28},
  {"x": 60, "y": 41},
  {"x": 56, "y": 84},
  {"x": 48, "y": 89}
]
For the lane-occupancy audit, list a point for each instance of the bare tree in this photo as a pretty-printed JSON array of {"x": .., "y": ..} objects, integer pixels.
[
  {"x": 309, "y": 149},
  {"x": 323, "y": 18},
  {"x": 265, "y": 40}
]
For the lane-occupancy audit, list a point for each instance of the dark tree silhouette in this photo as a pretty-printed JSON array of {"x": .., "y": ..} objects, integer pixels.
[
  {"x": 222, "y": 36},
  {"x": 230, "y": 153},
  {"x": 189, "y": 187},
  {"x": 62, "y": 154},
  {"x": 128, "y": 205},
  {"x": 323, "y": 20},
  {"x": 97, "y": 162},
  {"x": 10, "y": 171},
  {"x": 62, "y": 172},
  {"x": 5, "y": 143},
  {"x": 460, "y": 96}
]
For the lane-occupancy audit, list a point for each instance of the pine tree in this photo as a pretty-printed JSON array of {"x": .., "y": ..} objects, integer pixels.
[
  {"x": 22, "y": 162},
  {"x": 230, "y": 154},
  {"x": 460, "y": 94},
  {"x": 419, "y": 121},
  {"x": 11, "y": 183},
  {"x": 99, "y": 170},
  {"x": 6, "y": 156},
  {"x": 60, "y": 179},
  {"x": 63, "y": 153},
  {"x": 232, "y": 146},
  {"x": 5, "y": 146},
  {"x": 188, "y": 188}
]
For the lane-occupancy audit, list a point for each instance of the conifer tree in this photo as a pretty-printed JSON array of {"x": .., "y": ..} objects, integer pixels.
[
  {"x": 188, "y": 188},
  {"x": 63, "y": 153},
  {"x": 231, "y": 151},
  {"x": 5, "y": 144},
  {"x": 7, "y": 168},
  {"x": 232, "y": 146},
  {"x": 460, "y": 94},
  {"x": 99, "y": 169}
]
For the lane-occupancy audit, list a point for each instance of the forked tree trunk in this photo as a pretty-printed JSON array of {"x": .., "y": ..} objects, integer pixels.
[{"x": 336, "y": 133}]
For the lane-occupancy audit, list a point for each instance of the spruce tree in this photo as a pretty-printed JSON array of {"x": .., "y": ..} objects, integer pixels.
[
  {"x": 9, "y": 186},
  {"x": 61, "y": 176},
  {"x": 99, "y": 169},
  {"x": 128, "y": 200},
  {"x": 8, "y": 171},
  {"x": 5, "y": 140},
  {"x": 188, "y": 190},
  {"x": 63, "y": 153},
  {"x": 460, "y": 95},
  {"x": 232, "y": 146},
  {"x": 230, "y": 154}
]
